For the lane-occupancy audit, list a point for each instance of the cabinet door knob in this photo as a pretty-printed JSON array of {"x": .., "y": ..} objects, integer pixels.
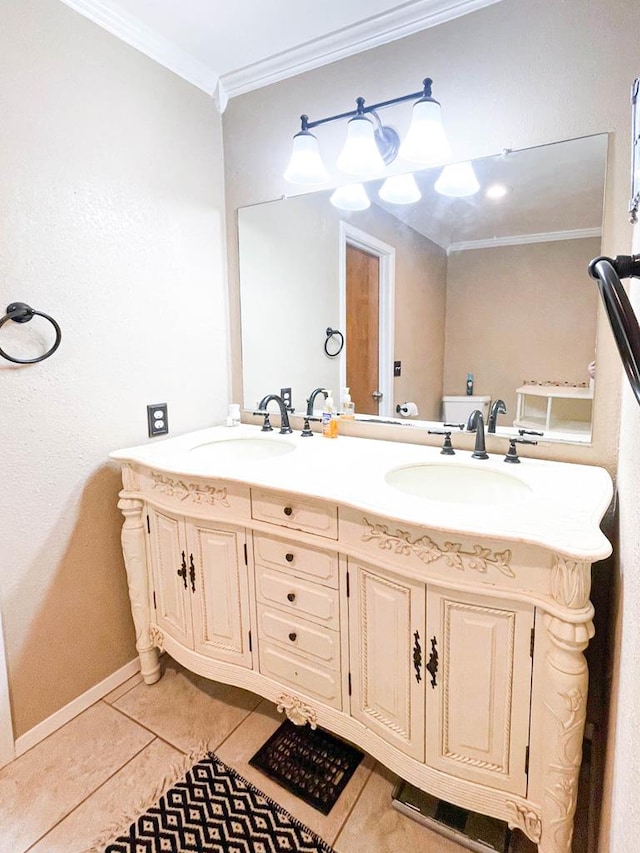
[
  {"x": 292, "y": 636},
  {"x": 291, "y": 596},
  {"x": 289, "y": 557},
  {"x": 288, "y": 510}
]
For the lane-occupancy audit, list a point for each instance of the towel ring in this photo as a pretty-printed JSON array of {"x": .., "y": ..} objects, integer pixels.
[
  {"x": 20, "y": 312},
  {"x": 330, "y": 334}
]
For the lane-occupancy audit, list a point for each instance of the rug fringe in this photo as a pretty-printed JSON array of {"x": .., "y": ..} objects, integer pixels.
[{"x": 128, "y": 816}]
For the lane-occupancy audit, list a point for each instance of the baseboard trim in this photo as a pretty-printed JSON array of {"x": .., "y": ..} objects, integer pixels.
[{"x": 77, "y": 706}]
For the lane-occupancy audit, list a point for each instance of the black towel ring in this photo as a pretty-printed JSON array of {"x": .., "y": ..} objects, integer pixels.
[
  {"x": 20, "y": 312},
  {"x": 330, "y": 334}
]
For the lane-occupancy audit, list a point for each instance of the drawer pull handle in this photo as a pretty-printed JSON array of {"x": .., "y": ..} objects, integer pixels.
[
  {"x": 293, "y": 636},
  {"x": 288, "y": 510},
  {"x": 289, "y": 557},
  {"x": 291, "y": 596}
]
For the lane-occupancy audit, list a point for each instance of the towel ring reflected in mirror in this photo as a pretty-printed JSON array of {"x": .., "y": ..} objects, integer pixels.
[
  {"x": 330, "y": 334},
  {"x": 20, "y": 312}
]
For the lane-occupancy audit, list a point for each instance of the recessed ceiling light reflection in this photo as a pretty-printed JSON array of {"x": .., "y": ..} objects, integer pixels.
[{"x": 350, "y": 197}]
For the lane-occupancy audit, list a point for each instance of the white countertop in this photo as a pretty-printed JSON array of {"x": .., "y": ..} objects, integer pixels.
[{"x": 562, "y": 512}]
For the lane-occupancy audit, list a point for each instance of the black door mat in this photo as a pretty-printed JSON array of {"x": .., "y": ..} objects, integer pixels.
[{"x": 310, "y": 763}]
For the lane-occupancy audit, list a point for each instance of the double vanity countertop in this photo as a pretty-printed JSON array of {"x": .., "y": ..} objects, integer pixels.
[{"x": 555, "y": 505}]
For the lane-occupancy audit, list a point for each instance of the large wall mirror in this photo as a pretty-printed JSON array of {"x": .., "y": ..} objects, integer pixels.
[{"x": 438, "y": 293}]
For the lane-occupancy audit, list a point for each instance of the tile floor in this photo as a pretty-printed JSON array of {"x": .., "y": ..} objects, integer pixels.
[{"x": 85, "y": 778}]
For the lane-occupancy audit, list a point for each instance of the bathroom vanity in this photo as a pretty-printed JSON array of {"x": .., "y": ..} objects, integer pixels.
[{"x": 433, "y": 610}]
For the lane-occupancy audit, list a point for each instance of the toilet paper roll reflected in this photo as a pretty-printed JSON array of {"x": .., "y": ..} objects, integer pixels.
[{"x": 407, "y": 410}]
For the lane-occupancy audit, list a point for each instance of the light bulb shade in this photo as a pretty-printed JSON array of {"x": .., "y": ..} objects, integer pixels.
[
  {"x": 457, "y": 180},
  {"x": 425, "y": 143},
  {"x": 305, "y": 165},
  {"x": 400, "y": 189},
  {"x": 350, "y": 197},
  {"x": 360, "y": 155}
]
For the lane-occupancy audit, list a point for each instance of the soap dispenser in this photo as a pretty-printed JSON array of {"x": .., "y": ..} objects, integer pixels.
[
  {"x": 348, "y": 406},
  {"x": 329, "y": 418}
]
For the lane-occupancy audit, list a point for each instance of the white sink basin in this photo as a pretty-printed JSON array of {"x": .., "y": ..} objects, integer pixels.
[
  {"x": 459, "y": 484},
  {"x": 241, "y": 449}
]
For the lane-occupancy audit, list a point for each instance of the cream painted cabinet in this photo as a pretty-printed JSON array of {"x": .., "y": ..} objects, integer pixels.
[
  {"x": 401, "y": 629},
  {"x": 200, "y": 587},
  {"x": 479, "y": 656},
  {"x": 386, "y": 628},
  {"x": 444, "y": 676}
]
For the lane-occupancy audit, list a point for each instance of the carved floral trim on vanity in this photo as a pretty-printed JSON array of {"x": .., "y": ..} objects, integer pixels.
[
  {"x": 157, "y": 637},
  {"x": 425, "y": 549},
  {"x": 570, "y": 582},
  {"x": 297, "y": 711},
  {"x": 189, "y": 491},
  {"x": 526, "y": 819}
]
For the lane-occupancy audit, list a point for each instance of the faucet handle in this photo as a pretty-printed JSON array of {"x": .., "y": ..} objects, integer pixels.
[
  {"x": 529, "y": 432},
  {"x": 447, "y": 447},
  {"x": 512, "y": 453},
  {"x": 266, "y": 426},
  {"x": 455, "y": 426}
]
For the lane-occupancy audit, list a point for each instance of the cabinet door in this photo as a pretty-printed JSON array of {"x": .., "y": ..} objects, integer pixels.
[
  {"x": 478, "y": 710},
  {"x": 385, "y": 614},
  {"x": 169, "y": 557},
  {"x": 219, "y": 591}
]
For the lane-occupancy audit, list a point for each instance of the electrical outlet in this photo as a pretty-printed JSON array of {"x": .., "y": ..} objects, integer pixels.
[
  {"x": 285, "y": 393},
  {"x": 397, "y": 368},
  {"x": 157, "y": 419}
]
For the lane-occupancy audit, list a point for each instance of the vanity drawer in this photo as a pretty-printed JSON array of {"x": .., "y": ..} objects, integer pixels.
[
  {"x": 313, "y": 563},
  {"x": 306, "y": 676},
  {"x": 299, "y": 635},
  {"x": 294, "y": 512},
  {"x": 294, "y": 595}
]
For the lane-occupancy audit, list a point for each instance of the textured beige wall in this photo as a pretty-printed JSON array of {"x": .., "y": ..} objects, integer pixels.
[
  {"x": 520, "y": 312},
  {"x": 112, "y": 221},
  {"x": 514, "y": 75}
]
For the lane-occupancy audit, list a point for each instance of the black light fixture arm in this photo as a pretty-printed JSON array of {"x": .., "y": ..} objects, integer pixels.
[{"x": 361, "y": 109}]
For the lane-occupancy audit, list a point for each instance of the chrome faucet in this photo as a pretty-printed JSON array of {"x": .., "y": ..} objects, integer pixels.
[
  {"x": 476, "y": 424},
  {"x": 497, "y": 408},
  {"x": 285, "y": 426},
  {"x": 312, "y": 399}
]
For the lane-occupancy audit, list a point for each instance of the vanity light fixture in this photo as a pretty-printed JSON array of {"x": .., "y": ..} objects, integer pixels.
[
  {"x": 400, "y": 189},
  {"x": 497, "y": 191},
  {"x": 457, "y": 180},
  {"x": 370, "y": 145},
  {"x": 350, "y": 197}
]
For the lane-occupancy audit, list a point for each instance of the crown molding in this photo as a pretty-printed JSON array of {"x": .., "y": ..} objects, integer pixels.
[
  {"x": 163, "y": 51},
  {"x": 520, "y": 239},
  {"x": 379, "y": 29}
]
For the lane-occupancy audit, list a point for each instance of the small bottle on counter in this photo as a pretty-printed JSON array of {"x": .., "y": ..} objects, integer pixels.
[
  {"x": 233, "y": 415},
  {"x": 469, "y": 384},
  {"x": 329, "y": 418},
  {"x": 348, "y": 406}
]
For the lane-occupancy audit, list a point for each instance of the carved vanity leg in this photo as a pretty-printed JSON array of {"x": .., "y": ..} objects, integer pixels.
[
  {"x": 133, "y": 549},
  {"x": 565, "y": 703}
]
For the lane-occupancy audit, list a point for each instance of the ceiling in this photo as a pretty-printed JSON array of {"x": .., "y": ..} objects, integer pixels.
[{"x": 227, "y": 47}]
